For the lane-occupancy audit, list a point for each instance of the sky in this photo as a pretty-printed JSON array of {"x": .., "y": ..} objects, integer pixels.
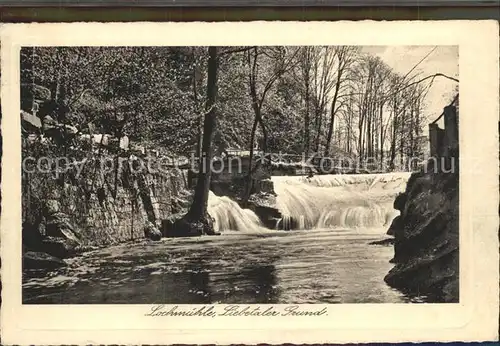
[{"x": 444, "y": 59}]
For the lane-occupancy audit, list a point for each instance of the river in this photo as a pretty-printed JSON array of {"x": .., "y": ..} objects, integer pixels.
[{"x": 328, "y": 260}]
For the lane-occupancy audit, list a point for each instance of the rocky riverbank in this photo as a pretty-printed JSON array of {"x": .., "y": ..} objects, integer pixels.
[
  {"x": 426, "y": 234},
  {"x": 96, "y": 207}
]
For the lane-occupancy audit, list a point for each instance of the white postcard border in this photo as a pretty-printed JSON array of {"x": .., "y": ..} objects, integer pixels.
[{"x": 475, "y": 318}]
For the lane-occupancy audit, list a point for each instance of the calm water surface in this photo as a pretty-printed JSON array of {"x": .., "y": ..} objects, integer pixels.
[{"x": 314, "y": 266}]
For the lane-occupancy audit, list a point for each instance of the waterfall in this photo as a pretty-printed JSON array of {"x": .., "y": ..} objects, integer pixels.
[
  {"x": 338, "y": 201},
  {"x": 229, "y": 216},
  {"x": 323, "y": 201}
]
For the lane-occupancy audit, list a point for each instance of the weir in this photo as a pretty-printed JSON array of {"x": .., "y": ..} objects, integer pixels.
[
  {"x": 338, "y": 201},
  {"x": 323, "y": 201},
  {"x": 229, "y": 216}
]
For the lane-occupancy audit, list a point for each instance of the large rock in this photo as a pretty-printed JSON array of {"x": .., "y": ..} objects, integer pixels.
[
  {"x": 426, "y": 241},
  {"x": 168, "y": 224},
  {"x": 151, "y": 232},
  {"x": 41, "y": 260},
  {"x": 59, "y": 225},
  {"x": 183, "y": 227},
  {"x": 263, "y": 204},
  {"x": 54, "y": 235},
  {"x": 60, "y": 247},
  {"x": 264, "y": 186}
]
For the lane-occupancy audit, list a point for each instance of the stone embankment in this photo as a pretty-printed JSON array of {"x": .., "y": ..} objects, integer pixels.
[
  {"x": 426, "y": 233},
  {"x": 63, "y": 218}
]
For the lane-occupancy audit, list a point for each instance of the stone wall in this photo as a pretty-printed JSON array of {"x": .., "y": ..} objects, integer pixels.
[{"x": 97, "y": 208}]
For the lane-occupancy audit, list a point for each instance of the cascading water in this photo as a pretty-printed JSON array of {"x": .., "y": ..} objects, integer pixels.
[
  {"x": 323, "y": 201},
  {"x": 338, "y": 201},
  {"x": 229, "y": 216}
]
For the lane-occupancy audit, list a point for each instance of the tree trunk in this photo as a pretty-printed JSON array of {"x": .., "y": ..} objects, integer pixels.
[
  {"x": 249, "y": 180},
  {"x": 306, "y": 121},
  {"x": 197, "y": 221},
  {"x": 393, "y": 139},
  {"x": 411, "y": 149},
  {"x": 332, "y": 123},
  {"x": 382, "y": 137},
  {"x": 256, "y": 105},
  {"x": 199, "y": 142},
  {"x": 319, "y": 117},
  {"x": 402, "y": 139}
]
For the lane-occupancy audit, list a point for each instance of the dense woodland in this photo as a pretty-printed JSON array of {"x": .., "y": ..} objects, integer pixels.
[{"x": 322, "y": 99}]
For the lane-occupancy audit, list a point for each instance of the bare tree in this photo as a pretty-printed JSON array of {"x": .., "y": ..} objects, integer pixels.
[
  {"x": 197, "y": 220},
  {"x": 345, "y": 58},
  {"x": 323, "y": 83},
  {"x": 282, "y": 61},
  {"x": 304, "y": 77}
]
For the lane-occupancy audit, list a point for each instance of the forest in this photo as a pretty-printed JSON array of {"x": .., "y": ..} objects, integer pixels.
[{"x": 321, "y": 100}]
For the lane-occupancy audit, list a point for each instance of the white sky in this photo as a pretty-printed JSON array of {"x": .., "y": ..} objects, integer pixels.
[{"x": 444, "y": 59}]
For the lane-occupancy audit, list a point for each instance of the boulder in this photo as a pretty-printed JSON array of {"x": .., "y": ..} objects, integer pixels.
[
  {"x": 269, "y": 216},
  {"x": 70, "y": 129},
  {"x": 60, "y": 247},
  {"x": 183, "y": 227},
  {"x": 264, "y": 186},
  {"x": 264, "y": 206},
  {"x": 59, "y": 225},
  {"x": 41, "y": 260},
  {"x": 168, "y": 224},
  {"x": 151, "y": 232},
  {"x": 41, "y": 229}
]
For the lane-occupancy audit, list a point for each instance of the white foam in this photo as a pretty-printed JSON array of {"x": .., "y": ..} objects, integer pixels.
[{"x": 340, "y": 201}]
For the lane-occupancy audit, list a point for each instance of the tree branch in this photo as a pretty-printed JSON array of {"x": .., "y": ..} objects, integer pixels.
[{"x": 239, "y": 50}]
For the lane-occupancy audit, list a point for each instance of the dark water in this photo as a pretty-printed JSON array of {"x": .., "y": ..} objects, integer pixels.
[{"x": 315, "y": 266}]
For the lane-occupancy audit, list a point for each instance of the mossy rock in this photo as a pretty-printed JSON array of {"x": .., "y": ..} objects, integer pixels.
[{"x": 184, "y": 227}]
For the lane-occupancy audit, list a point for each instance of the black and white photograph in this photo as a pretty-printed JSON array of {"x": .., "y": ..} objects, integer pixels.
[
  {"x": 250, "y": 182},
  {"x": 240, "y": 174}
]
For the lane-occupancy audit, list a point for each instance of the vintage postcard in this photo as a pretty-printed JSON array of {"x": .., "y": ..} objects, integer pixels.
[{"x": 259, "y": 182}]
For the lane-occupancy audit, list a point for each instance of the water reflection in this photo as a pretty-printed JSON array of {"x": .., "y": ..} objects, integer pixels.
[{"x": 317, "y": 266}]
